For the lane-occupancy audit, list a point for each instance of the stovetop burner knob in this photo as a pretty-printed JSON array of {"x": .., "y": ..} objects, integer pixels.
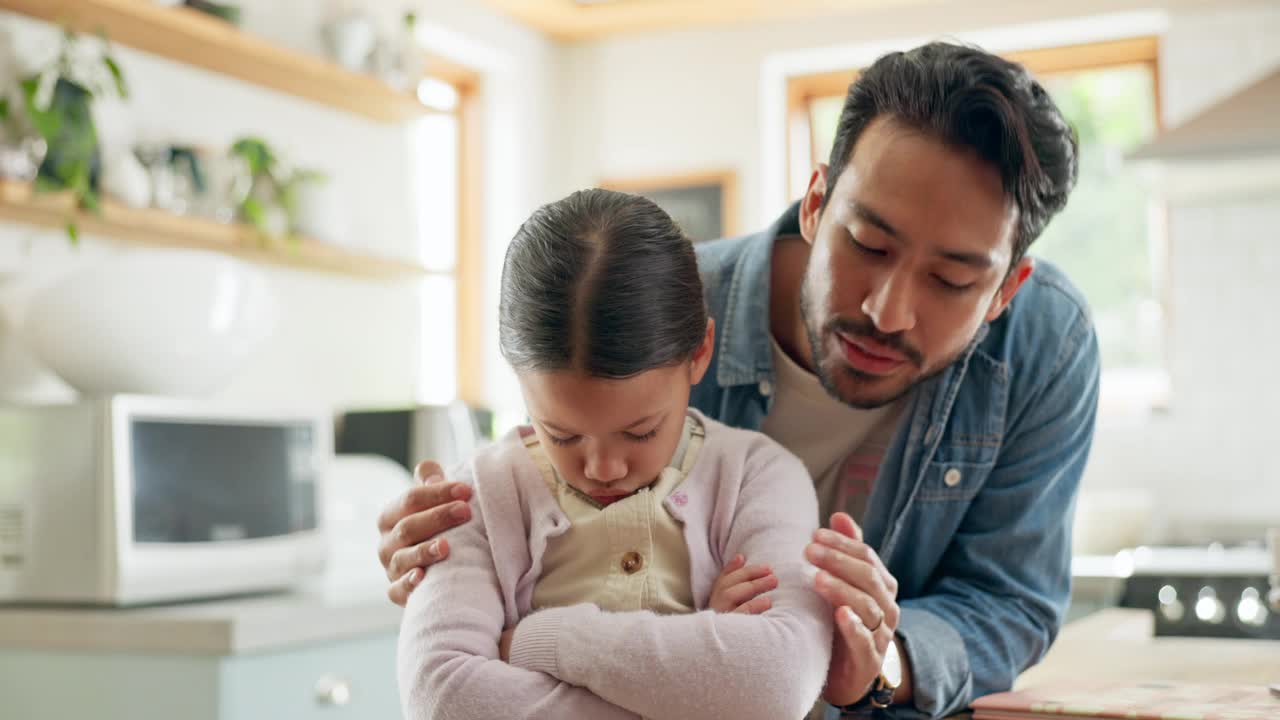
[
  {"x": 1171, "y": 608},
  {"x": 1250, "y": 609},
  {"x": 1209, "y": 608}
]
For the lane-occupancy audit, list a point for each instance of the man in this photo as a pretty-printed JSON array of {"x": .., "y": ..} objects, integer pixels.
[{"x": 939, "y": 384}]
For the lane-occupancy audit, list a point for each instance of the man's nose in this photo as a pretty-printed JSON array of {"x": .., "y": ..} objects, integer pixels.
[{"x": 891, "y": 305}]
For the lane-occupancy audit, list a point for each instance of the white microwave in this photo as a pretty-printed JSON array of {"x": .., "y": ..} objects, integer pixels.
[{"x": 125, "y": 500}]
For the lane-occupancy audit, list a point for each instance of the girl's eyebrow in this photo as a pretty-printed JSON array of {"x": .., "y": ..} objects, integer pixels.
[
  {"x": 557, "y": 429},
  {"x": 642, "y": 421}
]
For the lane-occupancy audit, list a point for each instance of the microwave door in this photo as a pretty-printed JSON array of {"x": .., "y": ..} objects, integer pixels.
[{"x": 216, "y": 482}]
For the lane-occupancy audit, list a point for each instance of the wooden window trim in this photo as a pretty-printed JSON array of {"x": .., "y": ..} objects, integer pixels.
[
  {"x": 469, "y": 280},
  {"x": 469, "y": 263}
]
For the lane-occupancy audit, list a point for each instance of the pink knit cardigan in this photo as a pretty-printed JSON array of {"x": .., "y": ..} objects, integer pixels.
[{"x": 745, "y": 494}]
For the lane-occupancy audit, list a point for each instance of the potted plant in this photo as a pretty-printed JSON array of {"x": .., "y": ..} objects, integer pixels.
[
  {"x": 21, "y": 150},
  {"x": 58, "y": 104},
  {"x": 272, "y": 203}
]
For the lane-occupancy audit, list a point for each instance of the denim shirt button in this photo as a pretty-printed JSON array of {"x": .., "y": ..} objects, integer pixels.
[
  {"x": 951, "y": 478},
  {"x": 766, "y": 388}
]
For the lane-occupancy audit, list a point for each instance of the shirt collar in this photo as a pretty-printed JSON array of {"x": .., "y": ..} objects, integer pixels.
[{"x": 746, "y": 356}]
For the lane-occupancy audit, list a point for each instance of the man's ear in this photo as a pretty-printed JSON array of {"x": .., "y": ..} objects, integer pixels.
[
  {"x": 702, "y": 356},
  {"x": 811, "y": 203},
  {"x": 1010, "y": 287}
]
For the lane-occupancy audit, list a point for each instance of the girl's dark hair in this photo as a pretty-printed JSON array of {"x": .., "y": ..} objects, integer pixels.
[{"x": 602, "y": 282}]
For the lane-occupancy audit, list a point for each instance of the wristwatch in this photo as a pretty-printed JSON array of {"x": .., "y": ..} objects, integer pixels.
[{"x": 881, "y": 695}]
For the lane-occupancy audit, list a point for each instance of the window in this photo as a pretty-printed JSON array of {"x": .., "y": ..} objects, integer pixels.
[
  {"x": 1110, "y": 237},
  {"x": 446, "y": 197},
  {"x": 436, "y": 147}
]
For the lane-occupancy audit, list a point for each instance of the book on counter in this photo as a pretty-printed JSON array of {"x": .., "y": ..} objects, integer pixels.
[{"x": 1137, "y": 701}]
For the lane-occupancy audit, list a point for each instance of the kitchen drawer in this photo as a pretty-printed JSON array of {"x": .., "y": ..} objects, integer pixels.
[
  {"x": 43, "y": 685},
  {"x": 341, "y": 680},
  {"x": 276, "y": 685}
]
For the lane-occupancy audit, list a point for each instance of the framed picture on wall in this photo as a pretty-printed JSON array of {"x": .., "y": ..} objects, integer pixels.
[{"x": 704, "y": 204}]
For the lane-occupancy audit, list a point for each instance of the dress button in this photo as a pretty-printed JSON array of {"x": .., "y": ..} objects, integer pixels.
[
  {"x": 766, "y": 388},
  {"x": 632, "y": 562},
  {"x": 951, "y": 478}
]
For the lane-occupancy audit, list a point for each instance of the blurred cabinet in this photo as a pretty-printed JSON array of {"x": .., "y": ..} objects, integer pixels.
[
  {"x": 308, "y": 655},
  {"x": 340, "y": 680},
  {"x": 1228, "y": 152}
]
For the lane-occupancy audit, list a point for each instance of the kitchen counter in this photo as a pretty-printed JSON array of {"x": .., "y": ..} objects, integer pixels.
[
  {"x": 225, "y": 627},
  {"x": 1118, "y": 645}
]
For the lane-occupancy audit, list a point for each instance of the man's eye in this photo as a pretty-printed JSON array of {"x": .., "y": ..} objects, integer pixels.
[
  {"x": 950, "y": 286},
  {"x": 866, "y": 249}
]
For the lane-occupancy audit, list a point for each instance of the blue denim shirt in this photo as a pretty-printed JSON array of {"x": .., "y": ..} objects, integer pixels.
[{"x": 983, "y": 564}]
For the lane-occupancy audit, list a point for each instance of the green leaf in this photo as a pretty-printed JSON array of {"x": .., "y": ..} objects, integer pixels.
[
  {"x": 257, "y": 154},
  {"x": 45, "y": 184},
  {"x": 73, "y": 233},
  {"x": 46, "y": 122},
  {"x": 254, "y": 213},
  {"x": 4, "y": 108},
  {"x": 116, "y": 74}
]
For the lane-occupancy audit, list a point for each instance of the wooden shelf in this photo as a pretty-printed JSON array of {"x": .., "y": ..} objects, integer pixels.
[
  {"x": 191, "y": 37},
  {"x": 19, "y": 204}
]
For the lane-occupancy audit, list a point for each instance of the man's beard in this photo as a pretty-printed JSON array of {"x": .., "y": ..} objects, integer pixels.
[{"x": 867, "y": 330}]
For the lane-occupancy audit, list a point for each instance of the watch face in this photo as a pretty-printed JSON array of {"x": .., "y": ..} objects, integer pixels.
[{"x": 892, "y": 668}]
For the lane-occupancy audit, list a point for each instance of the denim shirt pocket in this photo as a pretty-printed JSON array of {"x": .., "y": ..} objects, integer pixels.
[
  {"x": 971, "y": 441},
  {"x": 951, "y": 481}
]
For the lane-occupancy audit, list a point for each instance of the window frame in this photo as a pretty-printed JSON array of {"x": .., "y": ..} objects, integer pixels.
[
  {"x": 469, "y": 258},
  {"x": 469, "y": 272}
]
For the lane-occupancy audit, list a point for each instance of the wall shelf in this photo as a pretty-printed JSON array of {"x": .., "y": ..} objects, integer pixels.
[
  {"x": 191, "y": 37},
  {"x": 19, "y": 204}
]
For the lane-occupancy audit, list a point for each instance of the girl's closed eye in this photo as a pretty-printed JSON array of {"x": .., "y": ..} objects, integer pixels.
[
  {"x": 642, "y": 437},
  {"x": 563, "y": 441}
]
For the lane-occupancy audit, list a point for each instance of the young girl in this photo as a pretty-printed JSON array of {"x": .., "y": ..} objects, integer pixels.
[{"x": 585, "y": 586}]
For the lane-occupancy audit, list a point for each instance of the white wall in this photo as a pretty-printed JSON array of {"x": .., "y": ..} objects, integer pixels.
[
  {"x": 1208, "y": 460},
  {"x": 693, "y": 100},
  {"x": 342, "y": 341}
]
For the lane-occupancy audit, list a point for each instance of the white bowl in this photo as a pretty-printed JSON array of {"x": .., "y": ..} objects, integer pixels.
[
  {"x": 23, "y": 379},
  {"x": 154, "y": 322}
]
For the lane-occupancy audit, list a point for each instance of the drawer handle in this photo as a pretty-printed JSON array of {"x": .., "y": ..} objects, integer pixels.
[{"x": 333, "y": 690}]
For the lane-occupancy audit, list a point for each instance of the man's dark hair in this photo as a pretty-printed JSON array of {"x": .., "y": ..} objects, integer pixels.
[
  {"x": 603, "y": 282},
  {"x": 969, "y": 98}
]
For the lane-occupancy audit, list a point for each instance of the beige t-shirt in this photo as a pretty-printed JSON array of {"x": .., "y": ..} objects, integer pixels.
[
  {"x": 841, "y": 446},
  {"x": 628, "y": 555}
]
